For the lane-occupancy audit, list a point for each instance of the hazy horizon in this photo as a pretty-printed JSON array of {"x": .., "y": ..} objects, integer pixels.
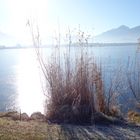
[{"x": 93, "y": 16}]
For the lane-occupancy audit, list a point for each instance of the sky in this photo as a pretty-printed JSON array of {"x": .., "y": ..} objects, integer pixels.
[{"x": 93, "y": 16}]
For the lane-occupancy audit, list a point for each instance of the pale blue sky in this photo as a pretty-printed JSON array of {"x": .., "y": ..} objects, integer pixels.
[
  {"x": 93, "y": 15},
  {"x": 98, "y": 14}
]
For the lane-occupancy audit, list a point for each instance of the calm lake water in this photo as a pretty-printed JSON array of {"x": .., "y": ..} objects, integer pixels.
[{"x": 21, "y": 79}]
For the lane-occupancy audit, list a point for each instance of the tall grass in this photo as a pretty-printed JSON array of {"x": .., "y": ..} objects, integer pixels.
[
  {"x": 75, "y": 87},
  {"x": 133, "y": 78},
  {"x": 75, "y": 90}
]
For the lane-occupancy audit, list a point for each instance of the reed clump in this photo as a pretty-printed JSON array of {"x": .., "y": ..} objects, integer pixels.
[
  {"x": 74, "y": 83},
  {"x": 75, "y": 90}
]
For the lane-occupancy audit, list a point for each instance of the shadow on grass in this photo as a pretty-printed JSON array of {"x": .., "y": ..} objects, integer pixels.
[{"x": 71, "y": 132}]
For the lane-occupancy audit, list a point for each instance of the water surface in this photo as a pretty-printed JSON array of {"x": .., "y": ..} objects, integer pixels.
[{"x": 21, "y": 79}]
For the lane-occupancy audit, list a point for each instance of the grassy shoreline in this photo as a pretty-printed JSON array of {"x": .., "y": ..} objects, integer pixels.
[{"x": 35, "y": 130}]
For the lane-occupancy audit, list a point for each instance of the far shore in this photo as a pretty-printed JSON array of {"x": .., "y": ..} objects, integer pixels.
[{"x": 73, "y": 45}]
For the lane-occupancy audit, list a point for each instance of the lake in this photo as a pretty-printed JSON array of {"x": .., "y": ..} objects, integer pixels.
[{"x": 21, "y": 81}]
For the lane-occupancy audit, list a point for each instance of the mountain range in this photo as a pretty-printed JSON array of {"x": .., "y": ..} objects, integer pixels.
[{"x": 122, "y": 34}]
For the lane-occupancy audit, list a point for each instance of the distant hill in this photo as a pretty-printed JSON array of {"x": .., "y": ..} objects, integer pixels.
[{"x": 122, "y": 34}]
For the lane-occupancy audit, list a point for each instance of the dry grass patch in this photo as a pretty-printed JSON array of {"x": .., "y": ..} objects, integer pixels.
[{"x": 133, "y": 116}]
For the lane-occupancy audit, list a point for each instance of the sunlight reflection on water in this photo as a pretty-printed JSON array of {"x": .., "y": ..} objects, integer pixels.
[
  {"x": 21, "y": 80},
  {"x": 30, "y": 94}
]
